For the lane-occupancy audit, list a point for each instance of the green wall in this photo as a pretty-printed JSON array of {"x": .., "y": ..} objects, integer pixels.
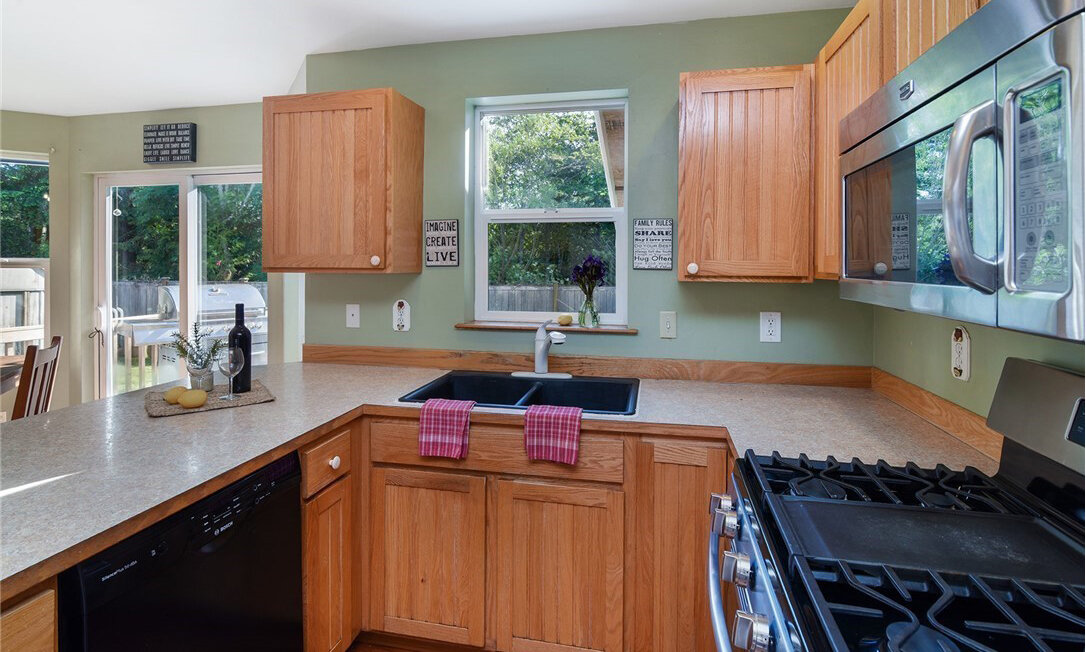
[
  {"x": 917, "y": 348},
  {"x": 715, "y": 321}
]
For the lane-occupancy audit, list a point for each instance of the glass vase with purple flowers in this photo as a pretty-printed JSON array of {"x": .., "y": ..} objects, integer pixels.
[{"x": 588, "y": 275}]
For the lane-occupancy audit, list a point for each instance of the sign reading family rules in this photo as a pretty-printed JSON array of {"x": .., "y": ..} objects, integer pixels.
[
  {"x": 442, "y": 239},
  {"x": 653, "y": 243},
  {"x": 170, "y": 142}
]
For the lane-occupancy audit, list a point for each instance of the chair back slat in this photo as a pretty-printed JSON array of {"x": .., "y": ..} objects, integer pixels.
[{"x": 35, "y": 391}]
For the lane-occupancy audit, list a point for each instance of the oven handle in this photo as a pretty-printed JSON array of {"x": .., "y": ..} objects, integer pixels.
[
  {"x": 716, "y": 596},
  {"x": 975, "y": 271}
]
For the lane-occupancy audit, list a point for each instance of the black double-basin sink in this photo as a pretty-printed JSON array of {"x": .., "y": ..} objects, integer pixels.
[{"x": 502, "y": 390}]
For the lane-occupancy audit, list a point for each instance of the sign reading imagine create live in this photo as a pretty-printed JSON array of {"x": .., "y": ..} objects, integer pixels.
[
  {"x": 442, "y": 238},
  {"x": 652, "y": 243},
  {"x": 171, "y": 142}
]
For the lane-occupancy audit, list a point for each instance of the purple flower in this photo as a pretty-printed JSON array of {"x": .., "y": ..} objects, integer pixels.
[{"x": 589, "y": 274}]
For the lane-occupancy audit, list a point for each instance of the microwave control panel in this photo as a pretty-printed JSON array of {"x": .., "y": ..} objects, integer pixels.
[{"x": 1041, "y": 202}]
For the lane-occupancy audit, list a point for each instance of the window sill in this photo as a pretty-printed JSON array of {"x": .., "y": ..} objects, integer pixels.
[{"x": 602, "y": 329}]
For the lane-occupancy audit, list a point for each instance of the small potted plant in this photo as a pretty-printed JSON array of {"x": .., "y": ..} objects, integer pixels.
[
  {"x": 588, "y": 275},
  {"x": 199, "y": 352}
]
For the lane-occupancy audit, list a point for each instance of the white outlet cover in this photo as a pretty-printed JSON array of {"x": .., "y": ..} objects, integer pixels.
[
  {"x": 770, "y": 327},
  {"x": 353, "y": 315},
  {"x": 401, "y": 315},
  {"x": 960, "y": 354},
  {"x": 669, "y": 324}
]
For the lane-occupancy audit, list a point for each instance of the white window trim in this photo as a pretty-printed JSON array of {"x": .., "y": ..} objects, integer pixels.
[
  {"x": 485, "y": 216},
  {"x": 187, "y": 182},
  {"x": 35, "y": 263}
]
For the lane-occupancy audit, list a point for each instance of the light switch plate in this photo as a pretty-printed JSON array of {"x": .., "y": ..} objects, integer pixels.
[
  {"x": 401, "y": 315},
  {"x": 669, "y": 324},
  {"x": 770, "y": 327},
  {"x": 353, "y": 319}
]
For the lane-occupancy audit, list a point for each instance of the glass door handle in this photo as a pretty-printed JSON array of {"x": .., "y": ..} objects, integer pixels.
[{"x": 975, "y": 271}]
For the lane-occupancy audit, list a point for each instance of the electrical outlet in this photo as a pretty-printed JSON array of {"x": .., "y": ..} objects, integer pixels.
[
  {"x": 353, "y": 320},
  {"x": 401, "y": 316},
  {"x": 669, "y": 324},
  {"x": 960, "y": 363},
  {"x": 771, "y": 327}
]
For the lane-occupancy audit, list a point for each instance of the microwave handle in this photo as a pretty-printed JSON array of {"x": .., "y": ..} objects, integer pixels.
[{"x": 973, "y": 270}]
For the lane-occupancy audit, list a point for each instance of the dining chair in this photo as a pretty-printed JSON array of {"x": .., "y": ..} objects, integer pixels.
[{"x": 35, "y": 391}]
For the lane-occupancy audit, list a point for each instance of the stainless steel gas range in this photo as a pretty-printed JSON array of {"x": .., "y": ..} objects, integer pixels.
[{"x": 832, "y": 555}]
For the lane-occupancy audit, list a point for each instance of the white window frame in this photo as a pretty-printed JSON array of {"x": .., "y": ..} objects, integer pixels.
[
  {"x": 35, "y": 263},
  {"x": 187, "y": 181},
  {"x": 486, "y": 216}
]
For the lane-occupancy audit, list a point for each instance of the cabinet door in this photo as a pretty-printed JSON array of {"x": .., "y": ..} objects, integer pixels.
[
  {"x": 325, "y": 181},
  {"x": 327, "y": 569},
  {"x": 560, "y": 567},
  {"x": 31, "y": 625},
  {"x": 745, "y": 174},
  {"x": 848, "y": 71},
  {"x": 913, "y": 26},
  {"x": 428, "y": 554},
  {"x": 673, "y": 483}
]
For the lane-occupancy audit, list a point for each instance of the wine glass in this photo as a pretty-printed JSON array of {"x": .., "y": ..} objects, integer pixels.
[{"x": 231, "y": 364}]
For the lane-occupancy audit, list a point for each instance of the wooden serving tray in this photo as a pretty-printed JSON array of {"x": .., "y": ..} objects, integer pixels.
[{"x": 158, "y": 407}]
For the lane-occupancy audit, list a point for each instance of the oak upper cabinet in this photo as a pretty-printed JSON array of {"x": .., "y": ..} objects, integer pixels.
[
  {"x": 326, "y": 576},
  {"x": 912, "y": 26},
  {"x": 343, "y": 182},
  {"x": 428, "y": 554},
  {"x": 745, "y": 178},
  {"x": 560, "y": 567},
  {"x": 674, "y": 480},
  {"x": 848, "y": 71}
]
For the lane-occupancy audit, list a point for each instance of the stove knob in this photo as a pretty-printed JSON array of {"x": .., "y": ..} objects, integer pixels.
[
  {"x": 719, "y": 501},
  {"x": 736, "y": 568},
  {"x": 726, "y": 523},
  {"x": 750, "y": 632}
]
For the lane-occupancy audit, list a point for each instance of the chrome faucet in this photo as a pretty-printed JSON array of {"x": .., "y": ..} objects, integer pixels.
[{"x": 543, "y": 341}]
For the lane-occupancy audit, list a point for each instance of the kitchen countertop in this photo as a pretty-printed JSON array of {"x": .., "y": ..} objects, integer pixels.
[{"x": 71, "y": 474}]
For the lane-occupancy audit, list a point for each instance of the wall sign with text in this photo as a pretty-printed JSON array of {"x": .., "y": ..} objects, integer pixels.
[
  {"x": 653, "y": 243},
  {"x": 171, "y": 142},
  {"x": 442, "y": 239}
]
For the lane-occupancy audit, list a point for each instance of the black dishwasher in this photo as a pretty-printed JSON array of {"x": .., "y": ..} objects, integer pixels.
[{"x": 223, "y": 574}]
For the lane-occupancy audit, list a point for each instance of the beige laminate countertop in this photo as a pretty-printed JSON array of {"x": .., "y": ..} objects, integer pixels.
[{"x": 71, "y": 474}]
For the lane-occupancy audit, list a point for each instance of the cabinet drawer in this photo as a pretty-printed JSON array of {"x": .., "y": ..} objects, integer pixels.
[
  {"x": 31, "y": 625},
  {"x": 497, "y": 449},
  {"x": 325, "y": 461}
]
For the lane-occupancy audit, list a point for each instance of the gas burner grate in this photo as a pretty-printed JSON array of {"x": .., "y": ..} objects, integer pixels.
[
  {"x": 941, "y": 487},
  {"x": 871, "y": 607}
]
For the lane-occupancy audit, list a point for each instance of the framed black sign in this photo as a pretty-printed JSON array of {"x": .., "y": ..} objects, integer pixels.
[{"x": 171, "y": 142}]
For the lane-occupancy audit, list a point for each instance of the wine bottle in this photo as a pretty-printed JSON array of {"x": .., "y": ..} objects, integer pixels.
[{"x": 241, "y": 337}]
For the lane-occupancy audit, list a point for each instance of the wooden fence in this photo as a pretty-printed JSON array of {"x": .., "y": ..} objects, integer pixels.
[
  {"x": 546, "y": 298},
  {"x": 141, "y": 297}
]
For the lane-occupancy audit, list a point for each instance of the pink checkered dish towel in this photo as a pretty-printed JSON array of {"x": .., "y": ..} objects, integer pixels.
[
  {"x": 552, "y": 433},
  {"x": 443, "y": 428}
]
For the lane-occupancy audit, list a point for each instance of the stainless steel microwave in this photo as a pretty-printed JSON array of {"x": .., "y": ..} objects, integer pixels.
[{"x": 963, "y": 177}]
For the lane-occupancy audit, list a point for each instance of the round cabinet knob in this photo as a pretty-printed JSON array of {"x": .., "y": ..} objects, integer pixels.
[
  {"x": 880, "y": 268},
  {"x": 736, "y": 568},
  {"x": 334, "y": 463},
  {"x": 375, "y": 260},
  {"x": 692, "y": 268},
  {"x": 726, "y": 523},
  {"x": 750, "y": 632}
]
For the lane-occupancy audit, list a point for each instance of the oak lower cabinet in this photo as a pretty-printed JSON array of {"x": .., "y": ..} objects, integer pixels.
[
  {"x": 745, "y": 175},
  {"x": 343, "y": 182},
  {"x": 31, "y": 624},
  {"x": 428, "y": 554},
  {"x": 560, "y": 557},
  {"x": 674, "y": 480},
  {"x": 326, "y": 572}
]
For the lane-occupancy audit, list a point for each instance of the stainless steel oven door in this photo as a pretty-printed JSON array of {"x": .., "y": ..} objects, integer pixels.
[
  {"x": 1039, "y": 86},
  {"x": 921, "y": 208}
]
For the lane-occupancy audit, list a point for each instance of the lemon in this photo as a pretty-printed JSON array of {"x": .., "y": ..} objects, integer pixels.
[
  {"x": 173, "y": 394},
  {"x": 192, "y": 398},
  {"x": 565, "y": 320}
]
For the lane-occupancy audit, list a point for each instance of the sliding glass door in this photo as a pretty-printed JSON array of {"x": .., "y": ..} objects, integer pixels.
[{"x": 173, "y": 249}]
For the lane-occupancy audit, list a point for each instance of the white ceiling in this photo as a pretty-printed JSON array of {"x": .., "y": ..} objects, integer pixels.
[{"x": 78, "y": 57}]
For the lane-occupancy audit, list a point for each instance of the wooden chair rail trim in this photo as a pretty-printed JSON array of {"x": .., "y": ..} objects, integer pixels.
[
  {"x": 721, "y": 371},
  {"x": 957, "y": 421}
]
